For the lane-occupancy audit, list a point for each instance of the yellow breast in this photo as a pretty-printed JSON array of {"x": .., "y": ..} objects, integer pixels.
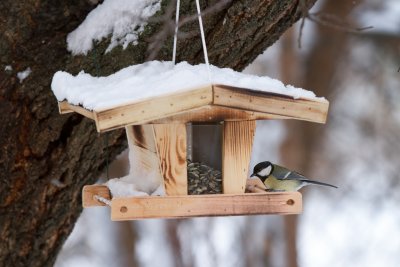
[{"x": 282, "y": 185}]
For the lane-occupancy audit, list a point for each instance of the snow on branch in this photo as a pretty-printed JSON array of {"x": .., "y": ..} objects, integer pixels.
[{"x": 124, "y": 20}]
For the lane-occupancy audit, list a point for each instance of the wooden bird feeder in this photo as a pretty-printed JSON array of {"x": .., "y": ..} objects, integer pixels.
[{"x": 157, "y": 128}]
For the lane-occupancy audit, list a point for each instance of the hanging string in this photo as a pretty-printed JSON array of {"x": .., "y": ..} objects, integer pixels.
[
  {"x": 178, "y": 2},
  {"x": 203, "y": 40}
]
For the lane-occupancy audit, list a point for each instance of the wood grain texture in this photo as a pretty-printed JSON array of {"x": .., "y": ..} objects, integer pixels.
[
  {"x": 213, "y": 113},
  {"x": 171, "y": 148},
  {"x": 88, "y": 193},
  {"x": 205, "y": 205},
  {"x": 213, "y": 103},
  {"x": 301, "y": 109},
  {"x": 64, "y": 107},
  {"x": 152, "y": 109},
  {"x": 236, "y": 151}
]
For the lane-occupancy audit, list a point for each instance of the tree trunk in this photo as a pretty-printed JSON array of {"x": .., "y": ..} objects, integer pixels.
[{"x": 45, "y": 157}]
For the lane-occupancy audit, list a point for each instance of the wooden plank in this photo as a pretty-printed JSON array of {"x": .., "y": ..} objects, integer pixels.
[
  {"x": 301, "y": 109},
  {"x": 236, "y": 151},
  {"x": 205, "y": 205},
  {"x": 171, "y": 148},
  {"x": 213, "y": 113},
  {"x": 65, "y": 107},
  {"x": 88, "y": 193},
  {"x": 153, "y": 109}
]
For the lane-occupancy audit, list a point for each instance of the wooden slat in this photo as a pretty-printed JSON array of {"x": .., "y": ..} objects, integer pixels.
[
  {"x": 64, "y": 108},
  {"x": 236, "y": 151},
  {"x": 171, "y": 148},
  {"x": 88, "y": 193},
  {"x": 302, "y": 109},
  {"x": 212, "y": 113},
  {"x": 205, "y": 205},
  {"x": 153, "y": 109}
]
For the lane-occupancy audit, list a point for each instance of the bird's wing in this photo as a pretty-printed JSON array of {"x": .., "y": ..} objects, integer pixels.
[{"x": 283, "y": 173}]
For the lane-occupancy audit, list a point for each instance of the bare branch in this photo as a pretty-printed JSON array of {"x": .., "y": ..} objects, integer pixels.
[
  {"x": 304, "y": 12},
  {"x": 334, "y": 22},
  {"x": 328, "y": 20}
]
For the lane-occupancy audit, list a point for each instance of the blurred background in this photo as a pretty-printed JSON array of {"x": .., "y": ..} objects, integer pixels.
[{"x": 358, "y": 149}]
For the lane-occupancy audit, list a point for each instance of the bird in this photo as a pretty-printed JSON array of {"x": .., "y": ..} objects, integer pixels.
[{"x": 277, "y": 178}]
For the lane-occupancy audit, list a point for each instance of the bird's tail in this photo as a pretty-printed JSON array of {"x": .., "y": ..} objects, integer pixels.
[{"x": 319, "y": 183}]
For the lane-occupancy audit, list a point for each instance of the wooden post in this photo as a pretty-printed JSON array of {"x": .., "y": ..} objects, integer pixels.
[
  {"x": 236, "y": 151},
  {"x": 171, "y": 149}
]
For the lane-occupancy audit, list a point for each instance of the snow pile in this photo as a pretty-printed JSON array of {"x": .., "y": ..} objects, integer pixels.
[
  {"x": 124, "y": 20},
  {"x": 127, "y": 186},
  {"x": 22, "y": 75},
  {"x": 137, "y": 183},
  {"x": 142, "y": 180},
  {"x": 155, "y": 78}
]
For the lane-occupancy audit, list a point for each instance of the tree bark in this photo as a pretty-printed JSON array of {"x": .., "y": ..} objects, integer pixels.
[{"x": 45, "y": 157}]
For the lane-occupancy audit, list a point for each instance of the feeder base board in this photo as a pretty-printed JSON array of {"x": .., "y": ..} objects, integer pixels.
[{"x": 133, "y": 208}]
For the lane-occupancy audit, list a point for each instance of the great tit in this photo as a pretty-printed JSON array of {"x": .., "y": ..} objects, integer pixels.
[{"x": 278, "y": 178}]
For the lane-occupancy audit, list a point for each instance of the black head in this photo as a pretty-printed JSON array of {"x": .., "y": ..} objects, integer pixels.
[{"x": 262, "y": 170}]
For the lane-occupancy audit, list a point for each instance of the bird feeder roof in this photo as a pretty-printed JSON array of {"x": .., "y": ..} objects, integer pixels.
[{"x": 158, "y": 92}]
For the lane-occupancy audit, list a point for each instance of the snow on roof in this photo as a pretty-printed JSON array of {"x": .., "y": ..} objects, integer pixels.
[{"x": 157, "y": 78}]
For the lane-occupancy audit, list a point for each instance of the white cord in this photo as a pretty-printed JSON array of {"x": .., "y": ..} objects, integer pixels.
[
  {"x": 203, "y": 40},
  {"x": 102, "y": 200},
  {"x": 176, "y": 31}
]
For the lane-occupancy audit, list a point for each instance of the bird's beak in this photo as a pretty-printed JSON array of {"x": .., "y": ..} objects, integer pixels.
[{"x": 253, "y": 175}]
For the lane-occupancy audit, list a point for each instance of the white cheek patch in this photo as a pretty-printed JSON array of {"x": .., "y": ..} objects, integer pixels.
[{"x": 265, "y": 172}]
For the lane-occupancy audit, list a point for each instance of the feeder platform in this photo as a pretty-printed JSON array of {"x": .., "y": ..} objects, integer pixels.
[{"x": 133, "y": 208}]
